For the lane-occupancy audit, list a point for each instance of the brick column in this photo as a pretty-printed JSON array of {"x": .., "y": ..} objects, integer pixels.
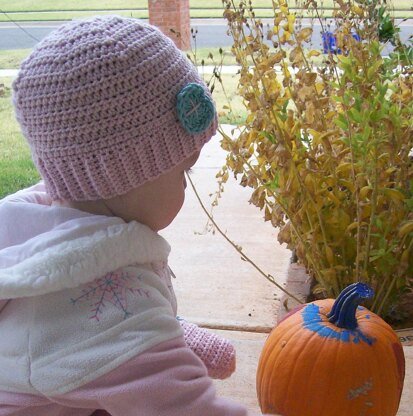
[{"x": 172, "y": 14}]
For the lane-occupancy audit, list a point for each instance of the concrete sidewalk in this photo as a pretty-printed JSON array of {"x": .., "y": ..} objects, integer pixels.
[
  {"x": 218, "y": 290},
  {"x": 214, "y": 287}
]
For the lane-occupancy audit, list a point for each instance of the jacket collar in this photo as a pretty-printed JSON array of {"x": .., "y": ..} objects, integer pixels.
[{"x": 58, "y": 248}]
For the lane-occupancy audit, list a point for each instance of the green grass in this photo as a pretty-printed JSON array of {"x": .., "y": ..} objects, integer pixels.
[
  {"x": 31, "y": 5},
  {"x": 11, "y": 59},
  {"x": 47, "y": 10},
  {"x": 203, "y": 54},
  {"x": 63, "y": 16},
  {"x": 16, "y": 167},
  {"x": 229, "y": 104}
]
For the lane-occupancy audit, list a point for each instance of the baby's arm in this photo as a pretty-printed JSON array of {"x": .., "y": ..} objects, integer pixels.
[{"x": 217, "y": 353}]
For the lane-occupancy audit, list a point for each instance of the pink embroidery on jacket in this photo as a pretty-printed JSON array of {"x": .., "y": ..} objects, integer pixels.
[{"x": 112, "y": 288}]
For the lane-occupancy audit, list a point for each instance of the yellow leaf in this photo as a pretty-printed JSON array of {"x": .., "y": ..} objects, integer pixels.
[
  {"x": 366, "y": 211},
  {"x": 343, "y": 218},
  {"x": 277, "y": 57},
  {"x": 309, "y": 182},
  {"x": 329, "y": 255},
  {"x": 348, "y": 184},
  {"x": 391, "y": 170},
  {"x": 225, "y": 176},
  {"x": 393, "y": 194},
  {"x": 319, "y": 86},
  {"x": 345, "y": 168},
  {"x": 286, "y": 36},
  {"x": 332, "y": 197},
  {"x": 305, "y": 92},
  {"x": 314, "y": 133},
  {"x": 405, "y": 257},
  {"x": 354, "y": 225},
  {"x": 229, "y": 15},
  {"x": 313, "y": 52},
  {"x": 304, "y": 34},
  {"x": 296, "y": 55},
  {"x": 324, "y": 138},
  {"x": 406, "y": 228},
  {"x": 268, "y": 215},
  {"x": 276, "y": 29},
  {"x": 309, "y": 78},
  {"x": 291, "y": 20},
  {"x": 364, "y": 191},
  {"x": 250, "y": 138},
  {"x": 357, "y": 10},
  {"x": 310, "y": 112},
  {"x": 286, "y": 70}
]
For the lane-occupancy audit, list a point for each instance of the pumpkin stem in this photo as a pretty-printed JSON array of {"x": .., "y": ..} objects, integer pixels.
[{"x": 343, "y": 312}]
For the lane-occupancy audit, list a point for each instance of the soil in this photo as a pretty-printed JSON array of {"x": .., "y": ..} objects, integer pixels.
[{"x": 407, "y": 308}]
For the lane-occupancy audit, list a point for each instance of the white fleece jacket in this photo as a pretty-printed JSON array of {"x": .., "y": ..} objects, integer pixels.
[
  {"x": 87, "y": 318},
  {"x": 85, "y": 295}
]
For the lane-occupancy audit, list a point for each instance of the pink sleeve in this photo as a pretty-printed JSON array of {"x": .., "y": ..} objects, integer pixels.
[
  {"x": 217, "y": 353},
  {"x": 167, "y": 380}
]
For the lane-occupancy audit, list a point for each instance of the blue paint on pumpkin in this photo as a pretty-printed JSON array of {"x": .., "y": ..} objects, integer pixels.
[
  {"x": 314, "y": 322},
  {"x": 345, "y": 336}
]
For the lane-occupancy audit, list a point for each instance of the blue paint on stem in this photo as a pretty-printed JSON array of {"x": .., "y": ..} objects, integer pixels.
[{"x": 343, "y": 312}]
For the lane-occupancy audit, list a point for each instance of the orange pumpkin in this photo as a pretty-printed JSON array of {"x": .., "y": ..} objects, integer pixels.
[{"x": 332, "y": 359}]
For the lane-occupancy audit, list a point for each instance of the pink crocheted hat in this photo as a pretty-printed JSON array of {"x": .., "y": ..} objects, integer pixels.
[{"x": 107, "y": 104}]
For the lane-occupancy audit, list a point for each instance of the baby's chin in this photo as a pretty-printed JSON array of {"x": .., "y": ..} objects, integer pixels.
[{"x": 160, "y": 224}]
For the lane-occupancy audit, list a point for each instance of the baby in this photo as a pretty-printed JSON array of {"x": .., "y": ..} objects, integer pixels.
[{"x": 114, "y": 115}]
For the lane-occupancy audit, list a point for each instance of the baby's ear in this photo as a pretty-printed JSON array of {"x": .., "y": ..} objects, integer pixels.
[{"x": 217, "y": 353}]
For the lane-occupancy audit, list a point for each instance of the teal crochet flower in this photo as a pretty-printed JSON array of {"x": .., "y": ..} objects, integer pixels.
[{"x": 195, "y": 108}]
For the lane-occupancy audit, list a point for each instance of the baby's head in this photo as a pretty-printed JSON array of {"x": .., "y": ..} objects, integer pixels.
[{"x": 114, "y": 114}]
